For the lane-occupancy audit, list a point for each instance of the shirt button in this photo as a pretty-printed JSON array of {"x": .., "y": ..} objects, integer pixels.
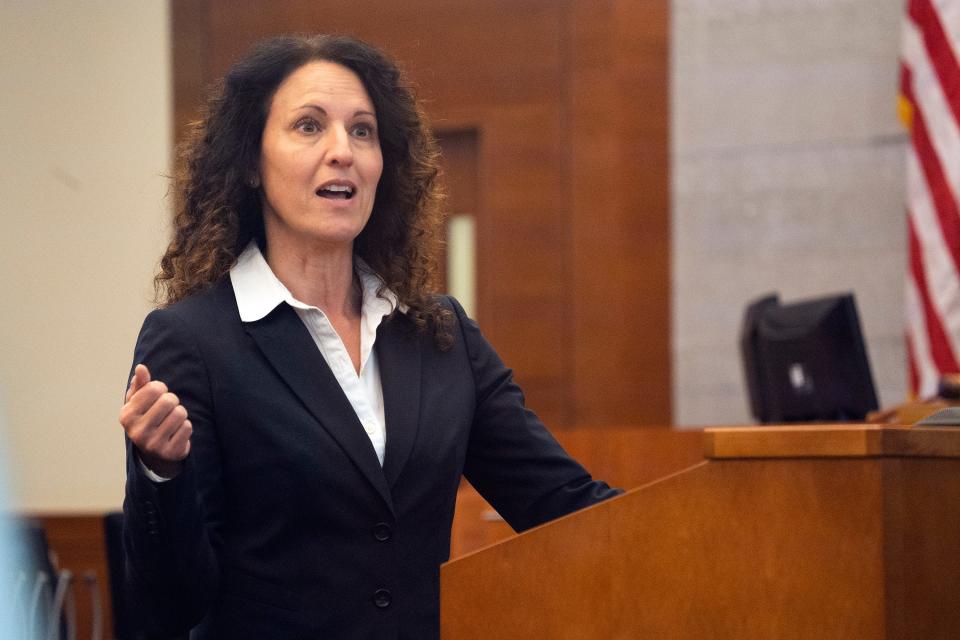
[
  {"x": 381, "y": 598},
  {"x": 382, "y": 532},
  {"x": 368, "y": 427}
]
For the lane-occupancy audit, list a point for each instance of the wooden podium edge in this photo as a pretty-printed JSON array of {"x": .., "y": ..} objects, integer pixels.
[
  {"x": 631, "y": 490},
  {"x": 831, "y": 441}
]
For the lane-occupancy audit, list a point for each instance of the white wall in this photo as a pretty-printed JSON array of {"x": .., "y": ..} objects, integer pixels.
[
  {"x": 84, "y": 144},
  {"x": 788, "y": 175}
]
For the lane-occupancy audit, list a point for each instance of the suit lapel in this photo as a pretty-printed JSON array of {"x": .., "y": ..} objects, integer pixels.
[
  {"x": 287, "y": 344},
  {"x": 398, "y": 356}
]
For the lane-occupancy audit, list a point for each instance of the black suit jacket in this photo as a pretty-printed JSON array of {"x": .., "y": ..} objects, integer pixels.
[{"x": 283, "y": 524}]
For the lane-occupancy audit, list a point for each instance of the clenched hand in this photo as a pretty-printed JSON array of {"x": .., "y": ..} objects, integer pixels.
[{"x": 156, "y": 423}]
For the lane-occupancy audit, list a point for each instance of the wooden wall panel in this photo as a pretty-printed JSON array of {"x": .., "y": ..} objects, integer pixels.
[
  {"x": 459, "y": 177},
  {"x": 568, "y": 102},
  {"x": 190, "y": 57},
  {"x": 643, "y": 74},
  {"x": 620, "y": 224},
  {"x": 475, "y": 54},
  {"x": 522, "y": 303}
]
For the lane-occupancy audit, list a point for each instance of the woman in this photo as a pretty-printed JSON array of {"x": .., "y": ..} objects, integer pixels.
[{"x": 302, "y": 408}]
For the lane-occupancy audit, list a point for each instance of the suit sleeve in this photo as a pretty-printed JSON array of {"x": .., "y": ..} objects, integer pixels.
[
  {"x": 171, "y": 529},
  {"x": 512, "y": 460}
]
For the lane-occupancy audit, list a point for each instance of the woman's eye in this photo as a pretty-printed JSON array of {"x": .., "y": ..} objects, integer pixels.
[
  {"x": 363, "y": 131},
  {"x": 308, "y": 126}
]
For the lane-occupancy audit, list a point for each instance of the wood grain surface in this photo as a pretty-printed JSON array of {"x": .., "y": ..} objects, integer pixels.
[
  {"x": 806, "y": 547},
  {"x": 831, "y": 441}
]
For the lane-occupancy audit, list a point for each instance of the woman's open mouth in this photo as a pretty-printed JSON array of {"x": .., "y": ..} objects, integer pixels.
[{"x": 336, "y": 191}]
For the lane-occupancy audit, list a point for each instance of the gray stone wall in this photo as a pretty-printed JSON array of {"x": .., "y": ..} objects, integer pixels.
[{"x": 787, "y": 176}]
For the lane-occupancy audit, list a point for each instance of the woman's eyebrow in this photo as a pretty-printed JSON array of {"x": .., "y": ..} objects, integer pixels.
[
  {"x": 358, "y": 112},
  {"x": 313, "y": 106}
]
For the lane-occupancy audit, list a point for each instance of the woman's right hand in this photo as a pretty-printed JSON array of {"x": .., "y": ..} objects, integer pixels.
[{"x": 156, "y": 423}]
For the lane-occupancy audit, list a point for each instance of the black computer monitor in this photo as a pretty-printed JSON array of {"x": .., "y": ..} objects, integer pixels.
[{"x": 806, "y": 361}]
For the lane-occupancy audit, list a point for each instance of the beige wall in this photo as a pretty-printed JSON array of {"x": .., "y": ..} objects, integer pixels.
[
  {"x": 788, "y": 175},
  {"x": 84, "y": 144}
]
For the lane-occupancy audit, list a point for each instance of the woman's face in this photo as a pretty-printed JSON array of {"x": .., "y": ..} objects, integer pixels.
[{"x": 320, "y": 159}]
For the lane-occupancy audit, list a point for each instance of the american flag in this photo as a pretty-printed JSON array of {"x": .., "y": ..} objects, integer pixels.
[{"x": 930, "y": 107}]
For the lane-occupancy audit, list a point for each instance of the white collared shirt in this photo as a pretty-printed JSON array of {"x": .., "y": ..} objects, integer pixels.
[{"x": 258, "y": 292}]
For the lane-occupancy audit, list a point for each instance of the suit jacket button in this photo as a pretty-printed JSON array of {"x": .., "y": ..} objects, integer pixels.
[
  {"x": 382, "y": 532},
  {"x": 381, "y": 598}
]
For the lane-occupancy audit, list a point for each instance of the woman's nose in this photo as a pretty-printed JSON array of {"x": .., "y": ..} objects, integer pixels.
[{"x": 339, "y": 150}]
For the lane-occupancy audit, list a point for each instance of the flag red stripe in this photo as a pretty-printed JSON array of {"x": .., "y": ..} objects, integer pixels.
[
  {"x": 944, "y": 201},
  {"x": 946, "y": 69},
  {"x": 940, "y": 349},
  {"x": 906, "y": 80},
  {"x": 941, "y": 54}
]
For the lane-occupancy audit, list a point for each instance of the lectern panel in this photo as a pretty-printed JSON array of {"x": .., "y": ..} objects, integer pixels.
[{"x": 826, "y": 545}]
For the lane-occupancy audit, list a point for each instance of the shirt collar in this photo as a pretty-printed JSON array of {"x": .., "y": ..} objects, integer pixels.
[{"x": 258, "y": 291}]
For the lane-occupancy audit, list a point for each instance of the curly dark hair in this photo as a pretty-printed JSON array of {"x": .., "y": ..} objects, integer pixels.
[{"x": 217, "y": 213}]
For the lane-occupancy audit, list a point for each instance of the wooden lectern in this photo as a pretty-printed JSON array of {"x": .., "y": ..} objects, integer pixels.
[{"x": 846, "y": 531}]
